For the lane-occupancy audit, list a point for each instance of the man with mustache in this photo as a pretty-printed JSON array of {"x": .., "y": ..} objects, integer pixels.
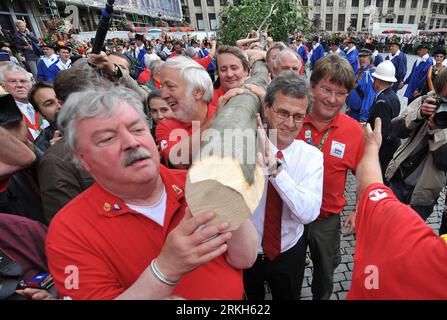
[{"x": 130, "y": 235}]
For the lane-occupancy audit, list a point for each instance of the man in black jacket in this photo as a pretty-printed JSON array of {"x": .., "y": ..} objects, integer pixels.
[
  {"x": 28, "y": 45},
  {"x": 386, "y": 106}
]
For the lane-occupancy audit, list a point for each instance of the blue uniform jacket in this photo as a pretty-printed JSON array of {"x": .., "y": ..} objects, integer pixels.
[
  {"x": 417, "y": 78},
  {"x": 47, "y": 73},
  {"x": 341, "y": 53},
  {"x": 353, "y": 59},
  {"x": 317, "y": 54},
  {"x": 400, "y": 63},
  {"x": 378, "y": 60},
  {"x": 361, "y": 98},
  {"x": 303, "y": 53}
]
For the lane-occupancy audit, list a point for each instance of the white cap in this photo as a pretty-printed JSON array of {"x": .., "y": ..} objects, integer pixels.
[{"x": 385, "y": 71}]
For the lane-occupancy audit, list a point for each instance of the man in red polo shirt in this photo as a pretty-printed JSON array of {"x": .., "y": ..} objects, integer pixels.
[
  {"x": 130, "y": 236},
  {"x": 397, "y": 256},
  {"x": 188, "y": 90},
  {"x": 205, "y": 61},
  {"x": 341, "y": 140}
]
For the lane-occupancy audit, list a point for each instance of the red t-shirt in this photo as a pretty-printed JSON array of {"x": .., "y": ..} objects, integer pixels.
[
  {"x": 169, "y": 132},
  {"x": 397, "y": 256},
  {"x": 111, "y": 245},
  {"x": 217, "y": 93},
  {"x": 342, "y": 150},
  {"x": 144, "y": 76},
  {"x": 204, "y": 62}
]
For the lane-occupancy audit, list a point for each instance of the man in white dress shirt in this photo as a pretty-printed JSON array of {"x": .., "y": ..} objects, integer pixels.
[
  {"x": 296, "y": 176},
  {"x": 16, "y": 81}
]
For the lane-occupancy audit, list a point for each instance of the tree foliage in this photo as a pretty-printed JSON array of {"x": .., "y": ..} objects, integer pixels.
[{"x": 287, "y": 18}]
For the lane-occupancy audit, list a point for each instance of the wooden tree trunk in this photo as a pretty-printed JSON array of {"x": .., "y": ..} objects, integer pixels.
[{"x": 224, "y": 177}]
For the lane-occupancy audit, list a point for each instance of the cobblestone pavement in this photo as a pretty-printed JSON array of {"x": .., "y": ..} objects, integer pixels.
[{"x": 343, "y": 274}]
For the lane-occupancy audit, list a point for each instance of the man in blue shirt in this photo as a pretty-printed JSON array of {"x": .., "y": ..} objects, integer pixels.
[
  {"x": 47, "y": 68},
  {"x": 418, "y": 76},
  {"x": 335, "y": 47},
  {"x": 352, "y": 55},
  {"x": 399, "y": 59},
  {"x": 301, "y": 50},
  {"x": 361, "y": 98},
  {"x": 317, "y": 52}
]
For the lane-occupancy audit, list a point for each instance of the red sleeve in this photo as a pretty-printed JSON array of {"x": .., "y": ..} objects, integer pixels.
[
  {"x": 205, "y": 61},
  {"x": 394, "y": 241},
  {"x": 144, "y": 76},
  {"x": 166, "y": 138},
  {"x": 4, "y": 185}
]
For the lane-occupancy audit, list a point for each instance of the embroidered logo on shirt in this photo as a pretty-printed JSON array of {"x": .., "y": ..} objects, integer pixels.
[
  {"x": 176, "y": 189},
  {"x": 163, "y": 144},
  {"x": 338, "y": 149},
  {"x": 116, "y": 207},
  {"x": 107, "y": 206},
  {"x": 377, "y": 195}
]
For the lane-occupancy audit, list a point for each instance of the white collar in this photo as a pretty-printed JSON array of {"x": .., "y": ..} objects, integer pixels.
[
  {"x": 64, "y": 66},
  {"x": 375, "y": 53},
  {"x": 422, "y": 59},
  {"x": 50, "y": 60},
  {"x": 351, "y": 49},
  {"x": 316, "y": 46},
  {"x": 391, "y": 56}
]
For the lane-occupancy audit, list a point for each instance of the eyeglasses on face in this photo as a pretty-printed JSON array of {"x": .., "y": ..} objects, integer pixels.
[
  {"x": 283, "y": 114},
  {"x": 339, "y": 95}
]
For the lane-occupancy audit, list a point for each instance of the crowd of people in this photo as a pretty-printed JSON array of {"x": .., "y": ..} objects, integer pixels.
[{"x": 93, "y": 169}]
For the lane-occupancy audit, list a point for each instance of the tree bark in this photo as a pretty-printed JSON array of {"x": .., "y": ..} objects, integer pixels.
[{"x": 224, "y": 177}]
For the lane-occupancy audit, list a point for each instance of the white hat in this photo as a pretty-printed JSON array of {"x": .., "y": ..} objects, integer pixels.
[{"x": 385, "y": 71}]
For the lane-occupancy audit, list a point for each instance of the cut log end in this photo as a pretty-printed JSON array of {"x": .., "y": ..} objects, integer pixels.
[{"x": 219, "y": 185}]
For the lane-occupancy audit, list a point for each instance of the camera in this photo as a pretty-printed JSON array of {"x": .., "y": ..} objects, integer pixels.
[{"x": 440, "y": 117}]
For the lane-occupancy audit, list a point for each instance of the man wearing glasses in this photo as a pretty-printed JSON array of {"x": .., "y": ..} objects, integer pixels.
[
  {"x": 16, "y": 81},
  {"x": 340, "y": 138},
  {"x": 292, "y": 195}
]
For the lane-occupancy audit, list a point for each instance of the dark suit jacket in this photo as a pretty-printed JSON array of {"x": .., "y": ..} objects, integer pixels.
[
  {"x": 386, "y": 106},
  {"x": 21, "y": 42}
]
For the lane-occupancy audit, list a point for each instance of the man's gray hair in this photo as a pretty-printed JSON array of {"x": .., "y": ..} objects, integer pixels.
[
  {"x": 282, "y": 53},
  {"x": 13, "y": 68},
  {"x": 91, "y": 103},
  {"x": 194, "y": 74},
  {"x": 190, "y": 52},
  {"x": 290, "y": 85}
]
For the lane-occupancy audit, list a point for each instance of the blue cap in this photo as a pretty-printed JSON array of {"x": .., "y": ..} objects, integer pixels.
[{"x": 4, "y": 56}]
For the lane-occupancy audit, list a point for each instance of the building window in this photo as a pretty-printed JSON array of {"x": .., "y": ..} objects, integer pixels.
[
  {"x": 329, "y": 22},
  {"x": 438, "y": 23},
  {"x": 379, "y": 3},
  {"x": 210, "y": 3},
  {"x": 425, "y": 4},
  {"x": 342, "y": 3},
  {"x": 305, "y": 3},
  {"x": 365, "y": 20},
  {"x": 414, "y": 4},
  {"x": 444, "y": 23},
  {"x": 341, "y": 22},
  {"x": 318, "y": 2},
  {"x": 330, "y": 3},
  {"x": 432, "y": 22},
  {"x": 317, "y": 21},
  {"x": 200, "y": 23},
  {"x": 391, "y": 4},
  {"x": 223, "y": 3},
  {"x": 354, "y": 21},
  {"x": 400, "y": 19},
  {"x": 441, "y": 9},
  {"x": 411, "y": 19},
  {"x": 197, "y": 3},
  {"x": 367, "y": 3},
  {"x": 403, "y": 3},
  {"x": 213, "y": 21},
  {"x": 434, "y": 8},
  {"x": 355, "y": 3}
]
